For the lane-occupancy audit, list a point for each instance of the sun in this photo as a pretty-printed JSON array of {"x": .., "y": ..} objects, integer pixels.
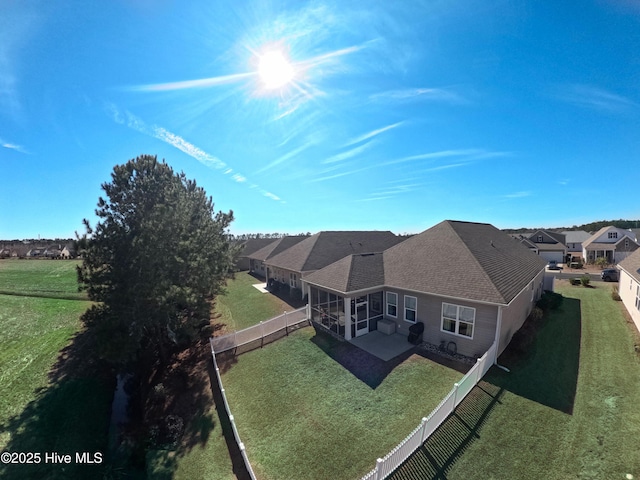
[{"x": 275, "y": 70}]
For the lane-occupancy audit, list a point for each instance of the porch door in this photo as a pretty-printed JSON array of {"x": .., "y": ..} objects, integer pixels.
[{"x": 361, "y": 316}]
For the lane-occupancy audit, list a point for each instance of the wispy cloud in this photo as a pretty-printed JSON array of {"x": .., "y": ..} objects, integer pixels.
[
  {"x": 437, "y": 155},
  {"x": 340, "y": 157},
  {"x": 13, "y": 146},
  {"x": 419, "y": 95},
  {"x": 589, "y": 96},
  {"x": 283, "y": 158},
  {"x": 518, "y": 194},
  {"x": 188, "y": 84},
  {"x": 373, "y": 133},
  {"x": 129, "y": 120}
]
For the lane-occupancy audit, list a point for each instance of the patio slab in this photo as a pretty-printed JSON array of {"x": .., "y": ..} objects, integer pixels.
[
  {"x": 385, "y": 347},
  {"x": 262, "y": 287}
]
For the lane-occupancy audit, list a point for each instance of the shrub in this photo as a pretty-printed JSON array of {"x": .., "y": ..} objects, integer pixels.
[
  {"x": 614, "y": 294},
  {"x": 296, "y": 294},
  {"x": 549, "y": 301},
  {"x": 585, "y": 280},
  {"x": 601, "y": 262},
  {"x": 574, "y": 281}
]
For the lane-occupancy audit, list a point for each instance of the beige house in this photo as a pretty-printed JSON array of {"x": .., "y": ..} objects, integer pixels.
[
  {"x": 612, "y": 243},
  {"x": 629, "y": 285},
  {"x": 469, "y": 284}
]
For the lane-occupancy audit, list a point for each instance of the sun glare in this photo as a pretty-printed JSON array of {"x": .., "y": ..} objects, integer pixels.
[{"x": 274, "y": 70}]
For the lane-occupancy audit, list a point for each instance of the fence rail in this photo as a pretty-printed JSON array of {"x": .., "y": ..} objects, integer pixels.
[
  {"x": 392, "y": 460},
  {"x": 259, "y": 332},
  {"x": 236, "y": 435}
]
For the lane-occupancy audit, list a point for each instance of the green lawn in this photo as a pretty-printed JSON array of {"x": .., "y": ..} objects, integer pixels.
[
  {"x": 48, "y": 402},
  {"x": 40, "y": 278},
  {"x": 569, "y": 409},
  {"x": 244, "y": 305},
  {"x": 311, "y": 407}
]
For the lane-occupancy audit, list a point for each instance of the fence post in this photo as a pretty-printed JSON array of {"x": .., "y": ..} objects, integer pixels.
[
  {"x": 379, "y": 463},
  {"x": 455, "y": 395},
  {"x": 261, "y": 335},
  {"x": 424, "y": 430},
  {"x": 286, "y": 323}
]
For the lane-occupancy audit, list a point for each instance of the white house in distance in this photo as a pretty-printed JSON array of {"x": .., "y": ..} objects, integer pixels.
[
  {"x": 629, "y": 285},
  {"x": 613, "y": 243}
]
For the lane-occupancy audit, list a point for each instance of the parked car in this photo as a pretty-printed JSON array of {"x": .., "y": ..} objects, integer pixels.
[
  {"x": 553, "y": 265},
  {"x": 609, "y": 275}
]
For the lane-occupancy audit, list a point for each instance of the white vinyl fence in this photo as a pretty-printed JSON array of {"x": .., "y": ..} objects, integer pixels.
[
  {"x": 385, "y": 466},
  {"x": 264, "y": 329},
  {"x": 243, "y": 452}
]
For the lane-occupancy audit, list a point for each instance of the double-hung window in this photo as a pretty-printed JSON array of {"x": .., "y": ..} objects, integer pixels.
[
  {"x": 638, "y": 297},
  {"x": 458, "y": 320},
  {"x": 293, "y": 280},
  {"x": 392, "y": 304},
  {"x": 410, "y": 308}
]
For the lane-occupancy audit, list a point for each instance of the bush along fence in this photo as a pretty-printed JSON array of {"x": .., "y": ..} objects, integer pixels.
[
  {"x": 268, "y": 330},
  {"x": 386, "y": 465},
  {"x": 236, "y": 435}
]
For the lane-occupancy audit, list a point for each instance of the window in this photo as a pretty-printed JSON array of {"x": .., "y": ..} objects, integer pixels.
[
  {"x": 458, "y": 320},
  {"x": 626, "y": 243},
  {"x": 293, "y": 280},
  {"x": 410, "y": 308},
  {"x": 638, "y": 298},
  {"x": 392, "y": 304},
  {"x": 613, "y": 234},
  {"x": 539, "y": 239}
]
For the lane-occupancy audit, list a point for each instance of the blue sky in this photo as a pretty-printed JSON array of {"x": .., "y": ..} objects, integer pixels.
[{"x": 398, "y": 114}]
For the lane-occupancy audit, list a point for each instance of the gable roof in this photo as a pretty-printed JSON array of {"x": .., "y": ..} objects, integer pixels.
[
  {"x": 631, "y": 265},
  {"x": 592, "y": 239},
  {"x": 554, "y": 236},
  {"x": 254, "y": 244},
  {"x": 474, "y": 261},
  {"x": 576, "y": 236},
  {"x": 324, "y": 248},
  {"x": 351, "y": 273},
  {"x": 276, "y": 247}
]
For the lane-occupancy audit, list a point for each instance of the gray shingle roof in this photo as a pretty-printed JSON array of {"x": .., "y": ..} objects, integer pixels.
[
  {"x": 576, "y": 236},
  {"x": 474, "y": 261},
  {"x": 462, "y": 259},
  {"x": 352, "y": 273},
  {"x": 324, "y": 248},
  {"x": 252, "y": 245},
  {"x": 631, "y": 265},
  {"x": 276, "y": 247}
]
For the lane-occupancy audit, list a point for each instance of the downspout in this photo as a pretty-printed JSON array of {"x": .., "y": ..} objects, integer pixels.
[{"x": 497, "y": 340}]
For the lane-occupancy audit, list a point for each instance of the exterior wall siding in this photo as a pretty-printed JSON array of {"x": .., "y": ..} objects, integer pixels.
[
  {"x": 627, "y": 288},
  {"x": 518, "y": 310},
  {"x": 430, "y": 313}
]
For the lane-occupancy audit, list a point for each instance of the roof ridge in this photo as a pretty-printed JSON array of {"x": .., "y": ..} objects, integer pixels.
[{"x": 475, "y": 259}]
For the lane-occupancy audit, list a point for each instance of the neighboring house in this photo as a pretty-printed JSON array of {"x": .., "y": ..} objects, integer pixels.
[
  {"x": 257, "y": 258},
  {"x": 613, "y": 243},
  {"x": 5, "y": 252},
  {"x": 469, "y": 284},
  {"x": 52, "y": 252},
  {"x": 526, "y": 242},
  {"x": 35, "y": 252},
  {"x": 248, "y": 247},
  {"x": 67, "y": 252},
  {"x": 550, "y": 245},
  {"x": 322, "y": 249},
  {"x": 629, "y": 285},
  {"x": 574, "y": 240}
]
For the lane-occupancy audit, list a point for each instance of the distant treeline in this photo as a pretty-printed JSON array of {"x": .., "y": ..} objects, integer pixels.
[{"x": 587, "y": 227}]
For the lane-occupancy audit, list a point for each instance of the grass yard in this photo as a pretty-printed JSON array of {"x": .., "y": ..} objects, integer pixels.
[
  {"x": 569, "y": 409},
  {"x": 241, "y": 306},
  {"x": 51, "y": 400},
  {"x": 40, "y": 278},
  {"x": 244, "y": 305},
  {"x": 310, "y": 407}
]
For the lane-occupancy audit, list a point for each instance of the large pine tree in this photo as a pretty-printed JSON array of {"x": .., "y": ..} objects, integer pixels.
[{"x": 153, "y": 263}]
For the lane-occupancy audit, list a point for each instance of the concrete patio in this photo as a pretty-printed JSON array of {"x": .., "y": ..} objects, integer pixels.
[{"x": 385, "y": 347}]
